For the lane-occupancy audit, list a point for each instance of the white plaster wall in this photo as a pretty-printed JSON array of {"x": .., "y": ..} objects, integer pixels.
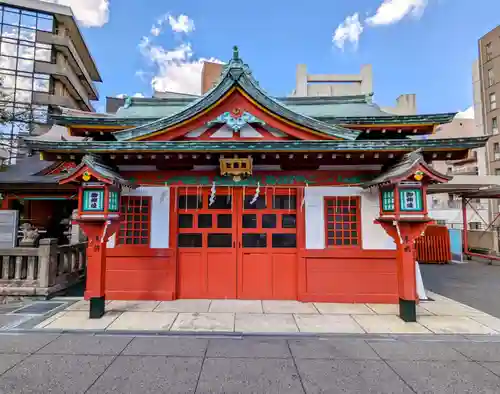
[
  {"x": 373, "y": 235},
  {"x": 160, "y": 215}
]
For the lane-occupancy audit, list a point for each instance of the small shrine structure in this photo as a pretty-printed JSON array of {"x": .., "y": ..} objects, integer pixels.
[{"x": 238, "y": 195}]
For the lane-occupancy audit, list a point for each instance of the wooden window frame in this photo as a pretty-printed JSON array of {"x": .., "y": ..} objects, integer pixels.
[
  {"x": 121, "y": 240},
  {"x": 357, "y": 200}
]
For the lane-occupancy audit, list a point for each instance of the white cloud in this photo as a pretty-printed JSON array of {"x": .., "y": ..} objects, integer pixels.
[
  {"x": 91, "y": 13},
  {"x": 123, "y": 95},
  {"x": 350, "y": 30},
  {"x": 466, "y": 114},
  {"x": 155, "y": 31},
  {"x": 176, "y": 70},
  {"x": 393, "y": 11},
  {"x": 388, "y": 12},
  {"x": 181, "y": 24}
]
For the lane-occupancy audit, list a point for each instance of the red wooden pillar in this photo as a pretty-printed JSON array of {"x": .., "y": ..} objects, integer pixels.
[
  {"x": 98, "y": 234},
  {"x": 404, "y": 235},
  {"x": 5, "y": 203}
]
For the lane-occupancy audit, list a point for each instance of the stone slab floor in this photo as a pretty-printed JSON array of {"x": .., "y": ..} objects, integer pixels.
[
  {"x": 440, "y": 316},
  {"x": 83, "y": 363}
]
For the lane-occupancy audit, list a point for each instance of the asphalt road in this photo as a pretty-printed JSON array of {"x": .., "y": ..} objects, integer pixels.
[
  {"x": 475, "y": 284},
  {"x": 81, "y": 363}
]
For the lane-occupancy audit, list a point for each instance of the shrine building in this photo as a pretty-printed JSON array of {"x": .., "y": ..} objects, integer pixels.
[{"x": 238, "y": 195}]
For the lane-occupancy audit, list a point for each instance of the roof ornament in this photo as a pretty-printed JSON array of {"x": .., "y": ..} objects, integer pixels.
[
  {"x": 236, "y": 53},
  {"x": 128, "y": 102}
]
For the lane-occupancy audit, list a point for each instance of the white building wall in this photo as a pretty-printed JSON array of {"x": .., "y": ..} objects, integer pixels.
[
  {"x": 160, "y": 215},
  {"x": 373, "y": 235}
]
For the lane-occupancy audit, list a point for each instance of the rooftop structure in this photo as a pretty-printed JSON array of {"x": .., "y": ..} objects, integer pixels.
[{"x": 328, "y": 85}]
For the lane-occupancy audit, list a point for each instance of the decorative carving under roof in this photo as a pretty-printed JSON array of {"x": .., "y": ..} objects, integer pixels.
[{"x": 236, "y": 119}]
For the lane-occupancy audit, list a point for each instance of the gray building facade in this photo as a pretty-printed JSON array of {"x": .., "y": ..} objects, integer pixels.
[{"x": 44, "y": 63}]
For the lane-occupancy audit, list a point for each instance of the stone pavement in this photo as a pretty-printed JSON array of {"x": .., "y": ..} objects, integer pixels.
[
  {"x": 82, "y": 363},
  {"x": 440, "y": 316},
  {"x": 475, "y": 283}
]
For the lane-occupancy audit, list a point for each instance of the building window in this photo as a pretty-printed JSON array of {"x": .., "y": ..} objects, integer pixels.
[
  {"x": 475, "y": 225},
  {"x": 493, "y": 101},
  {"x": 491, "y": 77},
  {"x": 18, "y": 53},
  {"x": 494, "y": 125},
  {"x": 488, "y": 51},
  {"x": 497, "y": 171},
  {"x": 136, "y": 217},
  {"x": 342, "y": 222},
  {"x": 388, "y": 200}
]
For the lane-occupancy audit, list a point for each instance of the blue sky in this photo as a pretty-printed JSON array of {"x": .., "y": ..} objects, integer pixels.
[{"x": 415, "y": 46}]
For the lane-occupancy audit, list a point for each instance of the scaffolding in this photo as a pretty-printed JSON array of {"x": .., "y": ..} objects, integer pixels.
[{"x": 469, "y": 190}]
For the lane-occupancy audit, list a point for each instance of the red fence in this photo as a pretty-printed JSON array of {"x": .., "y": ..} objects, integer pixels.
[{"x": 434, "y": 246}]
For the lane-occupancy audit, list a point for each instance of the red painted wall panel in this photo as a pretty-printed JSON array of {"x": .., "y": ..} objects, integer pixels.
[
  {"x": 137, "y": 273},
  {"x": 361, "y": 276}
]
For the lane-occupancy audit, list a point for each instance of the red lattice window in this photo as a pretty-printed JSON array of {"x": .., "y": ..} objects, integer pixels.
[
  {"x": 136, "y": 217},
  {"x": 342, "y": 222}
]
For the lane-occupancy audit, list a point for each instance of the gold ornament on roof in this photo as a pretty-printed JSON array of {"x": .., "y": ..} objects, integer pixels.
[
  {"x": 86, "y": 176},
  {"x": 419, "y": 175}
]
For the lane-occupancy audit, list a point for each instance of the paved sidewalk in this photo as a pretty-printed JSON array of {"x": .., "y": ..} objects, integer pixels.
[
  {"x": 441, "y": 316},
  {"x": 474, "y": 283},
  {"x": 81, "y": 363}
]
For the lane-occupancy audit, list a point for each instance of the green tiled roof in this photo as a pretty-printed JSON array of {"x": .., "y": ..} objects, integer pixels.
[
  {"x": 403, "y": 169},
  {"x": 404, "y": 145},
  {"x": 331, "y": 110},
  {"x": 95, "y": 163},
  {"x": 236, "y": 74}
]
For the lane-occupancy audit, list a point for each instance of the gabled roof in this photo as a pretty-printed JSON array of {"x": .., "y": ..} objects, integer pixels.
[
  {"x": 98, "y": 168},
  {"x": 405, "y": 168},
  {"x": 236, "y": 75}
]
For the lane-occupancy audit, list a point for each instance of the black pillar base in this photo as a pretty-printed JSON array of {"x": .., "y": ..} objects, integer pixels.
[
  {"x": 408, "y": 310},
  {"x": 97, "y": 307}
]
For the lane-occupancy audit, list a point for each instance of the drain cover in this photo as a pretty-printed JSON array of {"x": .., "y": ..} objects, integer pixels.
[{"x": 39, "y": 308}]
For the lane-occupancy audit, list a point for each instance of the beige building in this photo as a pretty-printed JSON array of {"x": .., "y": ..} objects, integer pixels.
[
  {"x": 326, "y": 85},
  {"x": 489, "y": 86},
  {"x": 44, "y": 63},
  {"x": 486, "y": 103},
  {"x": 445, "y": 208}
]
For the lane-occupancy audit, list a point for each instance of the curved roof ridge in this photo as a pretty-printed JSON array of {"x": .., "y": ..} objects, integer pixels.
[{"x": 235, "y": 73}]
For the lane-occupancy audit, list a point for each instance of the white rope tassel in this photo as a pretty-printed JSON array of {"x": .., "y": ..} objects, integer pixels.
[
  {"x": 256, "y": 195},
  {"x": 108, "y": 222},
  {"x": 164, "y": 195},
  {"x": 212, "y": 195},
  {"x": 303, "y": 202}
]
